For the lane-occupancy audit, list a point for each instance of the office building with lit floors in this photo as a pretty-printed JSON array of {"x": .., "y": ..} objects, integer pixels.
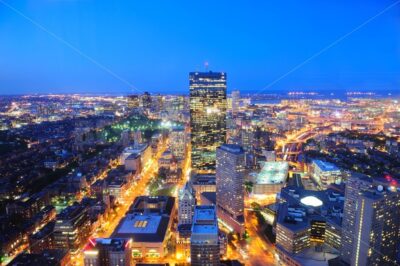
[
  {"x": 148, "y": 223},
  {"x": 204, "y": 241},
  {"x": 376, "y": 226},
  {"x": 186, "y": 203},
  {"x": 72, "y": 228},
  {"x": 230, "y": 187},
  {"x": 208, "y": 107},
  {"x": 308, "y": 226},
  {"x": 355, "y": 184},
  {"x": 107, "y": 252}
]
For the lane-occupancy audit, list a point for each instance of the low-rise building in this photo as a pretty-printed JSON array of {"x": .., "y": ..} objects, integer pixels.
[
  {"x": 72, "y": 228},
  {"x": 325, "y": 173},
  {"x": 108, "y": 251},
  {"x": 271, "y": 179},
  {"x": 148, "y": 223}
]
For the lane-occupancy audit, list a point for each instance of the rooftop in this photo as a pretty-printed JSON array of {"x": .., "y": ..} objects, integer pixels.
[
  {"x": 114, "y": 244},
  {"x": 273, "y": 173},
  {"x": 232, "y": 148},
  {"x": 143, "y": 228},
  {"x": 205, "y": 220},
  {"x": 153, "y": 204},
  {"x": 302, "y": 205},
  {"x": 326, "y": 166},
  {"x": 203, "y": 179},
  {"x": 311, "y": 201}
]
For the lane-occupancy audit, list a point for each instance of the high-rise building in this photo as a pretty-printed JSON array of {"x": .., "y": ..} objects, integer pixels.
[
  {"x": 204, "y": 241},
  {"x": 371, "y": 222},
  {"x": 235, "y": 101},
  {"x": 377, "y": 228},
  {"x": 187, "y": 201},
  {"x": 207, "y": 117},
  {"x": 146, "y": 100},
  {"x": 202, "y": 183},
  {"x": 355, "y": 183},
  {"x": 178, "y": 143},
  {"x": 230, "y": 186}
]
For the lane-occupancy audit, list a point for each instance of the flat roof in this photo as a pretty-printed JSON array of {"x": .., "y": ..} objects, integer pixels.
[
  {"x": 204, "y": 229},
  {"x": 140, "y": 224},
  {"x": 143, "y": 228},
  {"x": 326, "y": 166},
  {"x": 205, "y": 214},
  {"x": 273, "y": 173},
  {"x": 205, "y": 220},
  {"x": 232, "y": 148}
]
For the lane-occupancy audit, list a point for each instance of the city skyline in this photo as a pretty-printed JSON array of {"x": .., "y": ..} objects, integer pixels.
[
  {"x": 199, "y": 133},
  {"x": 80, "y": 48}
]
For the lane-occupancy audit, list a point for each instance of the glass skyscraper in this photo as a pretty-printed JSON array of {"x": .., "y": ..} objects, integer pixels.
[
  {"x": 208, "y": 106},
  {"x": 230, "y": 186}
]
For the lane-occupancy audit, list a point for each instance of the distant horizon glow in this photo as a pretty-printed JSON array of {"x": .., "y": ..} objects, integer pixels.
[{"x": 129, "y": 47}]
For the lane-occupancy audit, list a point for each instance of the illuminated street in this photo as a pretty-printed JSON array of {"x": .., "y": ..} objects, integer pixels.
[
  {"x": 218, "y": 133},
  {"x": 138, "y": 189}
]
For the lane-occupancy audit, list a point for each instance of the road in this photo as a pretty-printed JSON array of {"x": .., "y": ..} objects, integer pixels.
[
  {"x": 256, "y": 250},
  {"x": 132, "y": 192}
]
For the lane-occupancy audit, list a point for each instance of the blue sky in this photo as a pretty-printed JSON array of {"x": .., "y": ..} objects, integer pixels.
[{"x": 152, "y": 45}]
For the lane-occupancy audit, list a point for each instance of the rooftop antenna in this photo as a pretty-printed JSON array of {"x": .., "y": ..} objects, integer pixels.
[{"x": 206, "y": 65}]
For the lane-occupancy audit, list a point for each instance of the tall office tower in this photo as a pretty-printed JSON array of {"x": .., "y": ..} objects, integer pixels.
[
  {"x": 371, "y": 222},
  {"x": 204, "y": 242},
  {"x": 377, "y": 228},
  {"x": 247, "y": 138},
  {"x": 230, "y": 186},
  {"x": 187, "y": 201},
  {"x": 177, "y": 142},
  {"x": 146, "y": 100},
  {"x": 207, "y": 117},
  {"x": 235, "y": 102},
  {"x": 355, "y": 183}
]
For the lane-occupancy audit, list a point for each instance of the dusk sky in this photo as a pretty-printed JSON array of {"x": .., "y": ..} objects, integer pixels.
[{"x": 103, "y": 46}]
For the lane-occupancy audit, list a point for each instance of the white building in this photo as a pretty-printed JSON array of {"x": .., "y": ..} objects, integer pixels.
[
  {"x": 270, "y": 179},
  {"x": 325, "y": 173},
  {"x": 187, "y": 201}
]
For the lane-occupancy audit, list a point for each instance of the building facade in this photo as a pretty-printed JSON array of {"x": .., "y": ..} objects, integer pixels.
[
  {"x": 354, "y": 185},
  {"x": 107, "y": 252},
  {"x": 377, "y": 228},
  {"x": 178, "y": 143},
  {"x": 230, "y": 186},
  {"x": 187, "y": 201},
  {"x": 72, "y": 228},
  {"x": 204, "y": 241},
  {"x": 208, "y": 107}
]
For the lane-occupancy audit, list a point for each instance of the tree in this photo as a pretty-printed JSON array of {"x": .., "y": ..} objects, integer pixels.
[{"x": 248, "y": 185}]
